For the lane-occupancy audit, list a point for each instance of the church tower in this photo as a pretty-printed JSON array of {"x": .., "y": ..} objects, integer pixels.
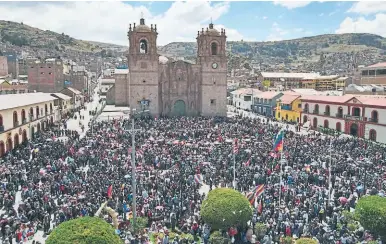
[
  {"x": 143, "y": 68},
  {"x": 211, "y": 56}
]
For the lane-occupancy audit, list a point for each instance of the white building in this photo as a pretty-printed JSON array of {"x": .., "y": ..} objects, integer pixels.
[
  {"x": 242, "y": 98},
  {"x": 21, "y": 115},
  {"x": 362, "y": 116}
]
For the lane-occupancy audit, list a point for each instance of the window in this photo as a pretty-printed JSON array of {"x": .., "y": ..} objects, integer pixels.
[
  {"x": 213, "y": 48},
  {"x": 50, "y": 73},
  {"x": 327, "y": 110},
  {"x": 37, "y": 112},
  {"x": 316, "y": 109},
  {"x": 338, "y": 127},
  {"x": 23, "y": 120},
  {"x": 42, "y": 73},
  {"x": 143, "y": 81},
  {"x": 371, "y": 72},
  {"x": 315, "y": 123},
  {"x": 325, "y": 123},
  {"x": 247, "y": 98},
  {"x": 143, "y": 46},
  {"x": 373, "y": 135},
  {"x": 15, "y": 121},
  {"x": 374, "y": 116},
  {"x": 299, "y": 105},
  {"x": 212, "y": 101}
]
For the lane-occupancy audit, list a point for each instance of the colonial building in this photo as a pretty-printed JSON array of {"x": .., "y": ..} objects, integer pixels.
[
  {"x": 243, "y": 98},
  {"x": 289, "y": 108},
  {"x": 173, "y": 88},
  {"x": 265, "y": 103},
  {"x": 373, "y": 74},
  {"x": 362, "y": 116},
  {"x": 21, "y": 115}
]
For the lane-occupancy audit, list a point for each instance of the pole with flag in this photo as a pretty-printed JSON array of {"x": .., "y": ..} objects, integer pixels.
[
  {"x": 278, "y": 147},
  {"x": 235, "y": 151}
]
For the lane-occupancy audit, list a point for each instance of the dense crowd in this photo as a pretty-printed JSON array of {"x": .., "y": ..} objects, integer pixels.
[{"x": 60, "y": 176}]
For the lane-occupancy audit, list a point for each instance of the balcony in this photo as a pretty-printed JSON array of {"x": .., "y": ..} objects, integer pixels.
[
  {"x": 339, "y": 115},
  {"x": 15, "y": 123},
  {"x": 24, "y": 121},
  {"x": 352, "y": 117},
  {"x": 327, "y": 113},
  {"x": 374, "y": 120},
  {"x": 315, "y": 112},
  {"x": 305, "y": 111},
  {"x": 1, "y": 128}
]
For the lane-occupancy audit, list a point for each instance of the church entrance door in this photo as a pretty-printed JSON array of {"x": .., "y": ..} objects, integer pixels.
[{"x": 179, "y": 108}]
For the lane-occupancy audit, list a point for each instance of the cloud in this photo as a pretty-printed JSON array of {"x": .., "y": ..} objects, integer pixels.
[
  {"x": 363, "y": 25},
  {"x": 265, "y": 17},
  {"x": 109, "y": 21},
  {"x": 298, "y": 30},
  {"x": 332, "y": 13},
  {"x": 276, "y": 33},
  {"x": 321, "y": 14},
  {"x": 292, "y": 4},
  {"x": 369, "y": 7}
]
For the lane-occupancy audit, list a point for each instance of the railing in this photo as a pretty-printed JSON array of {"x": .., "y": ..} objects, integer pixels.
[
  {"x": 339, "y": 115},
  {"x": 15, "y": 123},
  {"x": 315, "y": 112},
  {"x": 374, "y": 120},
  {"x": 360, "y": 118},
  {"x": 305, "y": 111},
  {"x": 31, "y": 120},
  {"x": 24, "y": 121},
  {"x": 327, "y": 113}
]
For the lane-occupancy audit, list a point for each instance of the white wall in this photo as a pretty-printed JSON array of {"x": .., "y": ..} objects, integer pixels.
[
  {"x": 322, "y": 108},
  {"x": 381, "y": 132},
  {"x": 331, "y": 121},
  {"x": 381, "y": 114}
]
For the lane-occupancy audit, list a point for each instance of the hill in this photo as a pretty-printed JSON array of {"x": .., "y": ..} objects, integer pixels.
[
  {"x": 21, "y": 35},
  {"x": 332, "y": 53}
]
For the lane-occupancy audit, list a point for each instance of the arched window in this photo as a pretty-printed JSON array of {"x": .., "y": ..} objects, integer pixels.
[
  {"x": 45, "y": 109},
  {"x": 286, "y": 117},
  {"x": 304, "y": 119},
  {"x": 315, "y": 124},
  {"x": 31, "y": 114},
  {"x": 23, "y": 120},
  {"x": 143, "y": 46},
  {"x": 15, "y": 122},
  {"x": 316, "y": 109},
  {"x": 50, "y": 108},
  {"x": 278, "y": 116},
  {"x": 340, "y": 112},
  {"x": 373, "y": 135},
  {"x": 2, "y": 149},
  {"x": 213, "y": 48},
  {"x": 1, "y": 121},
  {"x": 306, "y": 108},
  {"x": 338, "y": 126},
  {"x": 37, "y": 112},
  {"x": 325, "y": 123},
  {"x": 327, "y": 110},
  {"x": 374, "y": 116}
]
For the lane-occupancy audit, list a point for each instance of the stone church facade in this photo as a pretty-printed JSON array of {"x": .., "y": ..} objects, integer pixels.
[{"x": 174, "y": 88}]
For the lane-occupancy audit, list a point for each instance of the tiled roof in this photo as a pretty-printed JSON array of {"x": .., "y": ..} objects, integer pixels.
[
  {"x": 372, "y": 101},
  {"x": 75, "y": 91},
  {"x": 335, "y": 99},
  {"x": 24, "y": 99},
  {"x": 288, "y": 99},
  {"x": 378, "y": 65},
  {"x": 267, "y": 95}
]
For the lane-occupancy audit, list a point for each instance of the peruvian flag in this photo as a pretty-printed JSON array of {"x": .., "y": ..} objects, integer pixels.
[{"x": 110, "y": 191}]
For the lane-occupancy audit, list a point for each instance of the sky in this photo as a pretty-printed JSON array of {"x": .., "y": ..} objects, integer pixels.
[{"x": 179, "y": 21}]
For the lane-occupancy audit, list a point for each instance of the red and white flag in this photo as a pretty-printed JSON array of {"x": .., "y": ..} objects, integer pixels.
[{"x": 235, "y": 146}]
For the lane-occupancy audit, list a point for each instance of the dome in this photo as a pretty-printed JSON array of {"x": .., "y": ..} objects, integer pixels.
[
  {"x": 162, "y": 59},
  {"x": 213, "y": 32},
  {"x": 143, "y": 28}
]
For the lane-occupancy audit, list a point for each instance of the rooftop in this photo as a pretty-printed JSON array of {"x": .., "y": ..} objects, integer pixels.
[
  {"x": 267, "y": 95},
  {"x": 288, "y": 99},
  {"x": 23, "y": 99},
  {"x": 61, "y": 96},
  {"x": 335, "y": 99},
  {"x": 121, "y": 71},
  {"x": 378, "y": 65},
  {"x": 290, "y": 75},
  {"x": 73, "y": 90}
]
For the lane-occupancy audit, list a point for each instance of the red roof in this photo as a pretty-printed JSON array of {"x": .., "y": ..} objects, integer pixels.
[
  {"x": 267, "y": 95},
  {"x": 335, "y": 99},
  {"x": 372, "y": 101},
  {"x": 288, "y": 99},
  {"x": 378, "y": 65}
]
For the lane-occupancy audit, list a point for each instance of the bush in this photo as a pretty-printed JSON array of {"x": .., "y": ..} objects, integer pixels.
[
  {"x": 371, "y": 213},
  {"x": 217, "y": 238},
  {"x": 84, "y": 230},
  {"x": 140, "y": 223},
  {"x": 260, "y": 230},
  {"x": 306, "y": 241},
  {"x": 224, "y": 208},
  {"x": 286, "y": 240}
]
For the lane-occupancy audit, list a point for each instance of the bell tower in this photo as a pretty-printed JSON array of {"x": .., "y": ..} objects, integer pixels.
[
  {"x": 143, "y": 67},
  {"x": 211, "y": 56}
]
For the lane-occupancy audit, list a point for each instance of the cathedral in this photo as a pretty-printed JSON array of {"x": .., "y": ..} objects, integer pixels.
[{"x": 174, "y": 88}]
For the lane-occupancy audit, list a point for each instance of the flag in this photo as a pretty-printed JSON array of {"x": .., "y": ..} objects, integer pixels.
[
  {"x": 260, "y": 207},
  {"x": 251, "y": 197},
  {"x": 198, "y": 178},
  {"x": 255, "y": 193},
  {"x": 246, "y": 164},
  {"x": 259, "y": 190},
  {"x": 278, "y": 144},
  {"x": 235, "y": 146},
  {"x": 110, "y": 191}
]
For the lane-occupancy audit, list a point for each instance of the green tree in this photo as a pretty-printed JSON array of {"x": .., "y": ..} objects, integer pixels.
[
  {"x": 371, "y": 213},
  {"x": 260, "y": 230},
  {"x": 306, "y": 241},
  {"x": 84, "y": 230},
  {"x": 224, "y": 208},
  {"x": 217, "y": 238}
]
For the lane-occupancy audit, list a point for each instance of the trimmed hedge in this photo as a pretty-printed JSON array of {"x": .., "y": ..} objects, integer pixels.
[
  {"x": 224, "y": 208},
  {"x": 371, "y": 213},
  {"x": 84, "y": 230}
]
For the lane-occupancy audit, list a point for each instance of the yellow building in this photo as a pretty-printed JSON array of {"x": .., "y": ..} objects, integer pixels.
[
  {"x": 289, "y": 108},
  {"x": 21, "y": 115}
]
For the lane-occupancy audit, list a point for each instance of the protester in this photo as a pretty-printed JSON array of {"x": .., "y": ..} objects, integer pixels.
[{"x": 48, "y": 181}]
